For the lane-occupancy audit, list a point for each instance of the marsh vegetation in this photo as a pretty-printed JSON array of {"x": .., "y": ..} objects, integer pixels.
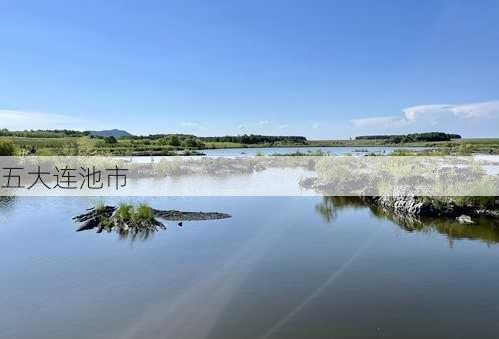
[
  {"x": 68, "y": 142},
  {"x": 135, "y": 220}
]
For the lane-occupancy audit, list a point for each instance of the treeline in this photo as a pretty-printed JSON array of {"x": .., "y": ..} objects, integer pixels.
[
  {"x": 40, "y": 133},
  {"x": 159, "y": 136},
  {"x": 175, "y": 140},
  {"x": 255, "y": 139},
  {"x": 414, "y": 137}
]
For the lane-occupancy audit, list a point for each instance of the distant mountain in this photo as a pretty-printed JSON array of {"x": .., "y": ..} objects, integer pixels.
[{"x": 110, "y": 133}]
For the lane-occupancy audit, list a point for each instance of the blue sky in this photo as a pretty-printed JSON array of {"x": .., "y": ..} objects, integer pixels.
[{"x": 323, "y": 69}]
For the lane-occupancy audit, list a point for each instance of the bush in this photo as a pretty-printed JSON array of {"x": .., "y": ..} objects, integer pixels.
[
  {"x": 173, "y": 140},
  {"x": 192, "y": 143},
  {"x": 465, "y": 149},
  {"x": 7, "y": 148},
  {"x": 110, "y": 140}
]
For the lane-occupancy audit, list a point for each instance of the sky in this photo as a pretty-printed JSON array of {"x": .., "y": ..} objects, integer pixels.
[{"x": 321, "y": 69}]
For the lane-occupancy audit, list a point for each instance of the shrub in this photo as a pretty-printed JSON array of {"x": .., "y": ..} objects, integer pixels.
[
  {"x": 110, "y": 140},
  {"x": 7, "y": 148},
  {"x": 465, "y": 149},
  {"x": 173, "y": 140},
  {"x": 191, "y": 143}
]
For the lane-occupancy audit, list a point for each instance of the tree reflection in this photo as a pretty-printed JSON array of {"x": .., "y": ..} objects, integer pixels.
[
  {"x": 330, "y": 206},
  {"x": 327, "y": 210},
  {"x": 485, "y": 229}
]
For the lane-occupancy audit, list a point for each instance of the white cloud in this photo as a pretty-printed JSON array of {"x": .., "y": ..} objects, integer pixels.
[
  {"x": 473, "y": 110},
  {"x": 283, "y": 126},
  {"x": 21, "y": 120},
  {"x": 264, "y": 122},
  {"x": 432, "y": 113}
]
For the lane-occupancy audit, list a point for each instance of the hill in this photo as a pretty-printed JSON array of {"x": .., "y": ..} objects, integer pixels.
[{"x": 117, "y": 133}]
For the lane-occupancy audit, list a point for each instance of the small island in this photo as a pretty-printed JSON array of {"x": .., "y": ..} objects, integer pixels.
[{"x": 127, "y": 218}]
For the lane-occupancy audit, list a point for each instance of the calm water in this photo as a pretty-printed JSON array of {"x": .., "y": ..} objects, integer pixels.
[
  {"x": 357, "y": 150},
  {"x": 293, "y": 267}
]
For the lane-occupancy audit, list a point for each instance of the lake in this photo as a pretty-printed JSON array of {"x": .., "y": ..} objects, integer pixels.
[
  {"x": 357, "y": 150},
  {"x": 281, "y": 267}
]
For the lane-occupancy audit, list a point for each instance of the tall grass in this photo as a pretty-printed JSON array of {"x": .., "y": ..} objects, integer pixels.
[
  {"x": 124, "y": 211},
  {"x": 143, "y": 213}
]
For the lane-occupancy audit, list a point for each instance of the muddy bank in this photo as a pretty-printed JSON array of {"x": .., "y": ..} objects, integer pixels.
[
  {"x": 189, "y": 216},
  {"x": 438, "y": 206}
]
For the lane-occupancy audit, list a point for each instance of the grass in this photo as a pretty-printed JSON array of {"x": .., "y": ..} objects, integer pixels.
[
  {"x": 85, "y": 145},
  {"x": 218, "y": 145},
  {"x": 124, "y": 212},
  {"x": 297, "y": 153},
  {"x": 485, "y": 202},
  {"x": 141, "y": 213},
  {"x": 100, "y": 207},
  {"x": 72, "y": 146}
]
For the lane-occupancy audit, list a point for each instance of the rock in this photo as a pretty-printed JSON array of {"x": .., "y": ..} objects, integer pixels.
[
  {"x": 402, "y": 201},
  {"x": 175, "y": 215},
  {"x": 464, "y": 219}
]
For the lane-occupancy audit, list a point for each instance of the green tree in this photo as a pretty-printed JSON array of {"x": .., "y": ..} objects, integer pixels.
[
  {"x": 173, "y": 140},
  {"x": 110, "y": 140},
  {"x": 191, "y": 143}
]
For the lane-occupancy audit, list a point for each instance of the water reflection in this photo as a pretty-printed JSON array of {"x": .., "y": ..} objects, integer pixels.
[
  {"x": 273, "y": 270},
  {"x": 330, "y": 206},
  {"x": 135, "y": 234},
  {"x": 6, "y": 206},
  {"x": 485, "y": 229},
  {"x": 6, "y": 202}
]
